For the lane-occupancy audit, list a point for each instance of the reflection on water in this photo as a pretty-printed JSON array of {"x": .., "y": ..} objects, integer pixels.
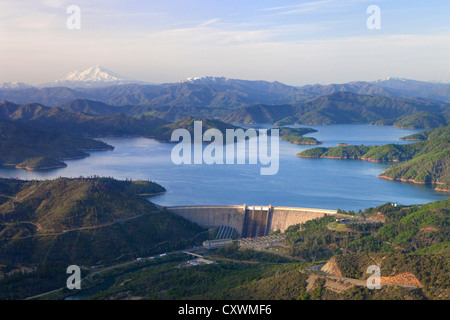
[{"x": 316, "y": 183}]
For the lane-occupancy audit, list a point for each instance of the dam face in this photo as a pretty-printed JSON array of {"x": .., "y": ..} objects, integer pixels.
[
  {"x": 250, "y": 221},
  {"x": 256, "y": 222}
]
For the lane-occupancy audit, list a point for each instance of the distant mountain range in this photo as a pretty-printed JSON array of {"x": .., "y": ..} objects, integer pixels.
[
  {"x": 93, "y": 77},
  {"x": 347, "y": 107},
  {"x": 57, "y": 119},
  {"x": 100, "y": 84},
  {"x": 77, "y": 123},
  {"x": 14, "y": 85},
  {"x": 334, "y": 108},
  {"x": 37, "y": 137},
  {"x": 97, "y": 91}
]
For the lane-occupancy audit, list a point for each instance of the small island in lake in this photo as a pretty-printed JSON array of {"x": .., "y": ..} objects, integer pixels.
[
  {"x": 296, "y": 135},
  {"x": 422, "y": 162},
  {"x": 32, "y": 149}
]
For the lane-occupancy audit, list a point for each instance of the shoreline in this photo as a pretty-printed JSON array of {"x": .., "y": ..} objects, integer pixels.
[
  {"x": 415, "y": 182},
  {"x": 400, "y": 139},
  {"x": 303, "y": 143},
  {"x": 63, "y": 165},
  {"x": 382, "y": 176},
  {"x": 109, "y": 149},
  {"x": 151, "y": 194},
  {"x": 348, "y": 158},
  {"x": 41, "y": 168}
]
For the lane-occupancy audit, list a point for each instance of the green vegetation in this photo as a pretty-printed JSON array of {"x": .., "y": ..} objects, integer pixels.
[
  {"x": 417, "y": 227},
  {"x": 343, "y": 152},
  {"x": 78, "y": 123},
  {"x": 430, "y": 164},
  {"x": 20, "y": 285},
  {"x": 286, "y": 121},
  {"x": 24, "y": 146},
  {"x": 388, "y": 152},
  {"x": 412, "y": 240},
  {"x": 81, "y": 124},
  {"x": 235, "y": 253},
  {"x": 46, "y": 136},
  {"x": 284, "y": 283},
  {"x": 86, "y": 221},
  {"x": 430, "y": 168},
  {"x": 428, "y": 160},
  {"x": 164, "y": 132},
  {"x": 346, "y": 107},
  {"x": 215, "y": 281},
  {"x": 295, "y": 135},
  {"x": 422, "y": 119},
  {"x": 429, "y": 134},
  {"x": 411, "y": 229},
  {"x": 100, "y": 222},
  {"x": 430, "y": 270},
  {"x": 143, "y": 187},
  {"x": 40, "y": 163}
]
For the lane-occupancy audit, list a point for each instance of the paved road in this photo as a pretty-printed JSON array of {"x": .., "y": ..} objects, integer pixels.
[
  {"x": 124, "y": 264},
  {"x": 55, "y": 233}
]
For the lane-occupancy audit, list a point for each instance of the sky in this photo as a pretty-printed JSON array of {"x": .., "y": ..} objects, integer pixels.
[{"x": 294, "y": 42}]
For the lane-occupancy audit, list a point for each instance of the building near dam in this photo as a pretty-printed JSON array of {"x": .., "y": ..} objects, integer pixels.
[{"x": 249, "y": 221}]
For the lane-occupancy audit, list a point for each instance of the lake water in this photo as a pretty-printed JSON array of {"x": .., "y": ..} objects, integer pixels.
[{"x": 313, "y": 183}]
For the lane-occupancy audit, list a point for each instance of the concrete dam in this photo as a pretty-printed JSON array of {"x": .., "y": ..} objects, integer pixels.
[{"x": 250, "y": 221}]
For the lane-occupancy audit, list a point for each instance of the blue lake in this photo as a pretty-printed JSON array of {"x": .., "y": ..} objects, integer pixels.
[{"x": 313, "y": 183}]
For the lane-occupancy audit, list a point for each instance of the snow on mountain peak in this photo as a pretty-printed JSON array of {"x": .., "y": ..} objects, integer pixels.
[
  {"x": 93, "y": 77},
  {"x": 204, "y": 79},
  {"x": 14, "y": 85},
  {"x": 93, "y": 74},
  {"x": 392, "y": 79}
]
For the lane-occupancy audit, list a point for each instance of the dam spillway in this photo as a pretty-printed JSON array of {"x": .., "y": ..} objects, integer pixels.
[
  {"x": 256, "y": 222},
  {"x": 250, "y": 221}
]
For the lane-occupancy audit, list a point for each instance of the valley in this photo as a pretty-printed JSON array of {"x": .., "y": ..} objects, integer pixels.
[{"x": 101, "y": 191}]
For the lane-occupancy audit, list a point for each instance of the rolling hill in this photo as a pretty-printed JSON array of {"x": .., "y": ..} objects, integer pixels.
[
  {"x": 346, "y": 107},
  {"x": 210, "y": 92},
  {"x": 84, "y": 221},
  {"x": 78, "y": 123},
  {"x": 91, "y": 107},
  {"x": 33, "y": 149},
  {"x": 423, "y": 162}
]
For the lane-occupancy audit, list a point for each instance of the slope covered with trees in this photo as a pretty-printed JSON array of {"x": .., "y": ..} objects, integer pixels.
[
  {"x": 85, "y": 221},
  {"x": 296, "y": 135},
  {"x": 78, "y": 123},
  {"x": 346, "y": 107},
  {"x": 424, "y": 162},
  {"x": 33, "y": 149},
  {"x": 409, "y": 247}
]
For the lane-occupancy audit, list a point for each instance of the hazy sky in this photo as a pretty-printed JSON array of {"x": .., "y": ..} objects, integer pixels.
[{"x": 295, "y": 42}]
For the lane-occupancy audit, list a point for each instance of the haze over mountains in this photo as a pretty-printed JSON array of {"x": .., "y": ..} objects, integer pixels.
[
  {"x": 96, "y": 76},
  {"x": 347, "y": 107},
  {"x": 101, "y": 84},
  {"x": 97, "y": 91},
  {"x": 98, "y": 222}
]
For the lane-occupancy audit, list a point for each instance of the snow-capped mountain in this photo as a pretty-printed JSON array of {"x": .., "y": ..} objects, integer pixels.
[
  {"x": 443, "y": 81},
  {"x": 203, "y": 80},
  {"x": 403, "y": 83},
  {"x": 15, "y": 85},
  {"x": 392, "y": 79},
  {"x": 95, "y": 76}
]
